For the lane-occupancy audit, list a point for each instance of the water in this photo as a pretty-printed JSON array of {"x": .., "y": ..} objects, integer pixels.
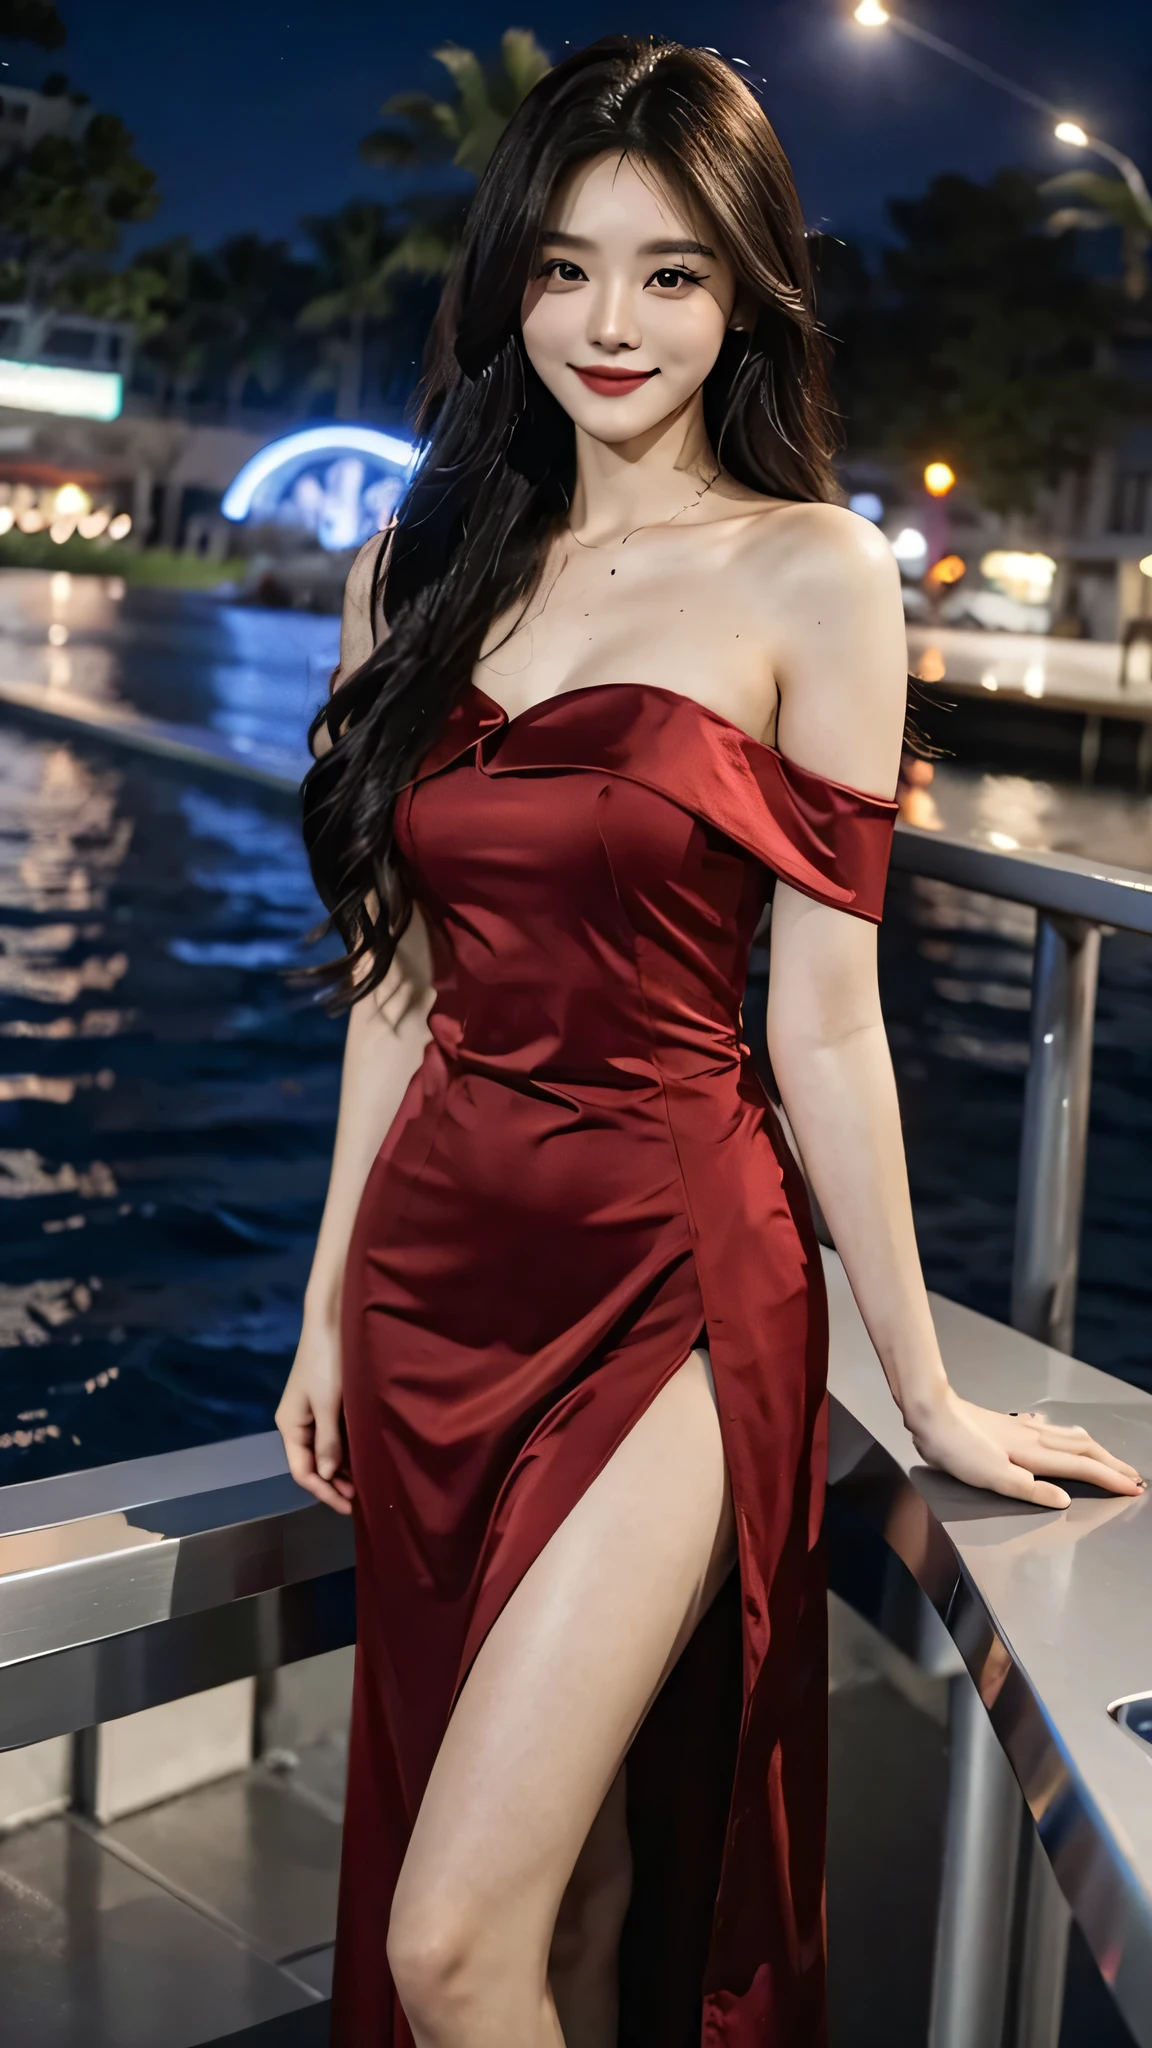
[
  {"x": 166, "y": 1107},
  {"x": 167, "y": 1101},
  {"x": 250, "y": 675}
]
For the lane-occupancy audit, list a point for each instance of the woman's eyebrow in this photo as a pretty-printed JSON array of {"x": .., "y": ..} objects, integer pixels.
[{"x": 682, "y": 246}]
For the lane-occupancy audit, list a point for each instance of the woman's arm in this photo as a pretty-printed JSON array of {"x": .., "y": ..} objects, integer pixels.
[
  {"x": 387, "y": 1033},
  {"x": 840, "y": 669}
]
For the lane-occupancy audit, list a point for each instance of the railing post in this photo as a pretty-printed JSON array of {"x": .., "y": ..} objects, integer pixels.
[
  {"x": 971, "y": 1978},
  {"x": 1002, "y": 1924},
  {"x": 1043, "y": 1963},
  {"x": 1050, "y": 1199},
  {"x": 1055, "y": 1134}
]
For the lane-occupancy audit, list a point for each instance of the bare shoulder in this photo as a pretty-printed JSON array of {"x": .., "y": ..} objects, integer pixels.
[
  {"x": 361, "y": 626},
  {"x": 834, "y": 625},
  {"x": 814, "y": 542}
]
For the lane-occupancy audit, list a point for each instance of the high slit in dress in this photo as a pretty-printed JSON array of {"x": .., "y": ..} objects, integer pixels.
[{"x": 586, "y": 1175}]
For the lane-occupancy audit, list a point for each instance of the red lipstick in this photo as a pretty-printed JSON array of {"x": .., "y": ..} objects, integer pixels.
[{"x": 611, "y": 383}]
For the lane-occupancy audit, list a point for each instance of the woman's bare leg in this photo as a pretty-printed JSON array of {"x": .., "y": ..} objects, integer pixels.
[
  {"x": 540, "y": 1732},
  {"x": 583, "y": 1960}
]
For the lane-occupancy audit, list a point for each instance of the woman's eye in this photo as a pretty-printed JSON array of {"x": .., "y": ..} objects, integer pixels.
[
  {"x": 553, "y": 269},
  {"x": 668, "y": 279}
]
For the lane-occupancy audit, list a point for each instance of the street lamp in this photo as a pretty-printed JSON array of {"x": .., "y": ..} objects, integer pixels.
[
  {"x": 1076, "y": 137},
  {"x": 872, "y": 14}
]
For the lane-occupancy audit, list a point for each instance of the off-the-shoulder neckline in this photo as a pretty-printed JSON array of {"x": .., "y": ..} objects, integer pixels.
[{"x": 510, "y": 720}]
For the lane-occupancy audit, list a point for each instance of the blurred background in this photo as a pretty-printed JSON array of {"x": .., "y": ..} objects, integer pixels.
[
  {"x": 223, "y": 233},
  {"x": 222, "y": 238}
]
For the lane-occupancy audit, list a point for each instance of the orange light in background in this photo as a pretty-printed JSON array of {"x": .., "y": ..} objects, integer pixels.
[
  {"x": 948, "y": 570},
  {"x": 939, "y": 478},
  {"x": 931, "y": 667},
  {"x": 71, "y": 502}
]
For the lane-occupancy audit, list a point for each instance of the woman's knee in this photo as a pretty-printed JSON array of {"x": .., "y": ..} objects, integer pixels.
[{"x": 433, "y": 1950}]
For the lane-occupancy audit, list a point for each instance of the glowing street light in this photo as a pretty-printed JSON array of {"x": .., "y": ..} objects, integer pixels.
[
  {"x": 939, "y": 478},
  {"x": 1146, "y": 566},
  {"x": 872, "y": 14},
  {"x": 1077, "y": 137}
]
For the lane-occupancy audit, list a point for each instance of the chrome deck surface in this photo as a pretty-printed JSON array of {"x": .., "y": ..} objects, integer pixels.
[
  {"x": 1048, "y": 1610},
  {"x": 214, "y": 1564}
]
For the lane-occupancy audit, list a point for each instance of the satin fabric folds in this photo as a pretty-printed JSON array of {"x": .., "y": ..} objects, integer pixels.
[{"x": 584, "y": 1177}]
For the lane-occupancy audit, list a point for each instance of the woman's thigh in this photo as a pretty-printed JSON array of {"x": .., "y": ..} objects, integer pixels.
[{"x": 566, "y": 1676}]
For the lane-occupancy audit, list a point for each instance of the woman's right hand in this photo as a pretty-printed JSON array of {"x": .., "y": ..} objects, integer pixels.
[
  {"x": 309, "y": 1418},
  {"x": 1017, "y": 1454}
]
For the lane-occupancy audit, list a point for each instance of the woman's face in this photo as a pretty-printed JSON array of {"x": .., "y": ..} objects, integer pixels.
[{"x": 629, "y": 300}]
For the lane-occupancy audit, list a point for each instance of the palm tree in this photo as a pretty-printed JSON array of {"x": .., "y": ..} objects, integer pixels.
[
  {"x": 1109, "y": 203},
  {"x": 262, "y": 291},
  {"x": 177, "y": 299},
  {"x": 438, "y": 136},
  {"x": 355, "y": 247}
]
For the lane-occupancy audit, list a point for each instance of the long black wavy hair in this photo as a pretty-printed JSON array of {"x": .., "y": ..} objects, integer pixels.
[{"x": 499, "y": 465}]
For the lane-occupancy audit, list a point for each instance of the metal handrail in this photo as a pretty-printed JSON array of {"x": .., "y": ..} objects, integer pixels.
[
  {"x": 1059, "y": 884},
  {"x": 1075, "y": 901},
  {"x": 1046, "y": 1613},
  {"x": 127, "y": 1585}
]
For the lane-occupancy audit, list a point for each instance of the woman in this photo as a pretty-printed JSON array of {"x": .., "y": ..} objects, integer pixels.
[{"x": 564, "y": 1347}]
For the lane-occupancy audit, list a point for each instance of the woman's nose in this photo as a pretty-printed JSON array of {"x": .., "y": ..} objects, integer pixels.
[{"x": 614, "y": 322}]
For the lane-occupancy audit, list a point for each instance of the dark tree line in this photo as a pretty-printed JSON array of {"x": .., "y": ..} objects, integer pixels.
[
  {"x": 979, "y": 337},
  {"x": 979, "y": 334}
]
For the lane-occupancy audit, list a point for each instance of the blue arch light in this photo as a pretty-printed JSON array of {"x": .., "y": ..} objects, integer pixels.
[{"x": 293, "y": 451}]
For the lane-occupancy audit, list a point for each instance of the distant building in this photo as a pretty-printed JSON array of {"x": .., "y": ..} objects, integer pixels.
[
  {"x": 75, "y": 341},
  {"x": 26, "y": 117},
  {"x": 1100, "y": 530}
]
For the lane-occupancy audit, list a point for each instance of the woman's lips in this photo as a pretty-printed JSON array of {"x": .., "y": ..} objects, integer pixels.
[{"x": 613, "y": 383}]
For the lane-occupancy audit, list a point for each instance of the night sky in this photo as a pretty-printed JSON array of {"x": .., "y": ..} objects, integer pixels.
[{"x": 250, "y": 111}]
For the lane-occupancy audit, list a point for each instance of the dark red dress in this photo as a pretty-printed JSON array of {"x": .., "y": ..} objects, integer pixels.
[{"x": 584, "y": 1176}]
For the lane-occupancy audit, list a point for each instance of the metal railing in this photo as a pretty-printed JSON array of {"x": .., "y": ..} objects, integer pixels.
[
  {"x": 1075, "y": 901},
  {"x": 238, "y": 1572},
  {"x": 994, "y": 1875}
]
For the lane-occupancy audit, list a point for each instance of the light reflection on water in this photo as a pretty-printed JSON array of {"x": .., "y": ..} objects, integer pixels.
[
  {"x": 166, "y": 1104},
  {"x": 1036, "y": 816},
  {"x": 252, "y": 675}
]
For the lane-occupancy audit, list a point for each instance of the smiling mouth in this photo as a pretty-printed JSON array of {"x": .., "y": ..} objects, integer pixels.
[{"x": 612, "y": 383}]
